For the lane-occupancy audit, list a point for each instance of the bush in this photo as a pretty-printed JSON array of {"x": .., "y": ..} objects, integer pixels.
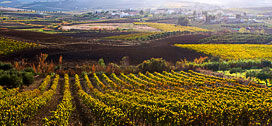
[
  {"x": 11, "y": 81},
  {"x": 29, "y": 69},
  {"x": 83, "y": 74},
  {"x": 5, "y": 66},
  {"x": 266, "y": 63},
  {"x": 251, "y": 74},
  {"x": 266, "y": 70},
  {"x": 224, "y": 66},
  {"x": 101, "y": 62},
  {"x": 214, "y": 66},
  {"x": 215, "y": 59},
  {"x": 236, "y": 70},
  {"x": 28, "y": 78},
  {"x": 264, "y": 76},
  {"x": 154, "y": 65},
  {"x": 12, "y": 78},
  {"x": 183, "y": 21},
  {"x": 115, "y": 68}
]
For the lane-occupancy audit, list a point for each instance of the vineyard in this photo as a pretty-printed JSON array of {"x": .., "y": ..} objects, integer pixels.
[
  {"x": 167, "y": 98},
  {"x": 232, "y": 51},
  {"x": 245, "y": 25},
  {"x": 133, "y": 36},
  {"x": 166, "y": 31},
  {"x": 8, "y": 46},
  {"x": 145, "y": 36},
  {"x": 241, "y": 38},
  {"x": 172, "y": 27}
]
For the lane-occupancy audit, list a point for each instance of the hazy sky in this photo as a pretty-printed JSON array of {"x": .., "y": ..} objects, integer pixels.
[
  {"x": 159, "y": 3},
  {"x": 229, "y": 3},
  {"x": 235, "y": 3}
]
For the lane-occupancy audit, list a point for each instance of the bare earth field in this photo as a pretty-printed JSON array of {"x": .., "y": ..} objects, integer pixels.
[
  {"x": 74, "y": 49},
  {"x": 110, "y": 27}
]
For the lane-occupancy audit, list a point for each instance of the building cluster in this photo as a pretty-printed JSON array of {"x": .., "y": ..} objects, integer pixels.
[{"x": 216, "y": 16}]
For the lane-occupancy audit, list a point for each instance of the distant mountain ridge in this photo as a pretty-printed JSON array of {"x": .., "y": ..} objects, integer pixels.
[
  {"x": 66, "y": 5},
  {"x": 70, "y": 5}
]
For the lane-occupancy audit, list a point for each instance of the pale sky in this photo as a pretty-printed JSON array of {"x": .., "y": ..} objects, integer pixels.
[
  {"x": 238, "y": 2},
  {"x": 133, "y": 3}
]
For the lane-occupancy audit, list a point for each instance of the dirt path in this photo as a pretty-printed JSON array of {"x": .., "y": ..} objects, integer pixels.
[
  {"x": 46, "y": 110},
  {"x": 82, "y": 115}
]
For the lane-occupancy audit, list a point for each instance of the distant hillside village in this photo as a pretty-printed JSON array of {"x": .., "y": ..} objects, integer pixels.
[
  {"x": 209, "y": 15},
  {"x": 206, "y": 15}
]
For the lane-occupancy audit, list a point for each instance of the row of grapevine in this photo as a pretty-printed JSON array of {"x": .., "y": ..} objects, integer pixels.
[
  {"x": 121, "y": 82},
  {"x": 64, "y": 109},
  {"x": 21, "y": 97},
  {"x": 204, "y": 105},
  {"x": 167, "y": 98},
  {"x": 110, "y": 82},
  {"x": 6, "y": 93},
  {"x": 105, "y": 115},
  {"x": 136, "y": 111},
  {"x": 15, "y": 114}
]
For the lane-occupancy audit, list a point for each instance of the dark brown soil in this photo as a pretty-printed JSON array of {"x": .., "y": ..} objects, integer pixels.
[
  {"x": 93, "y": 35},
  {"x": 26, "y": 27},
  {"x": 75, "y": 50},
  {"x": 37, "y": 37}
]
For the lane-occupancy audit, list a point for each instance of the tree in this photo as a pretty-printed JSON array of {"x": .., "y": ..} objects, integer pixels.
[
  {"x": 125, "y": 61},
  {"x": 194, "y": 13},
  {"x": 236, "y": 70},
  {"x": 251, "y": 74},
  {"x": 183, "y": 21},
  {"x": 154, "y": 65},
  {"x": 141, "y": 12},
  {"x": 243, "y": 30},
  {"x": 262, "y": 31},
  {"x": 101, "y": 62},
  {"x": 266, "y": 63},
  {"x": 264, "y": 76}
]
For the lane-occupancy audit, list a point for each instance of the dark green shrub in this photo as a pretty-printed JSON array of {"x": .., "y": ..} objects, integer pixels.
[
  {"x": 5, "y": 66},
  {"x": 83, "y": 74},
  {"x": 236, "y": 70},
  {"x": 266, "y": 70},
  {"x": 214, "y": 66},
  {"x": 266, "y": 63},
  {"x": 154, "y": 65},
  {"x": 251, "y": 74},
  {"x": 215, "y": 59},
  {"x": 101, "y": 62},
  {"x": 29, "y": 69},
  {"x": 11, "y": 81},
  {"x": 264, "y": 76},
  {"x": 224, "y": 66},
  {"x": 28, "y": 78}
]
